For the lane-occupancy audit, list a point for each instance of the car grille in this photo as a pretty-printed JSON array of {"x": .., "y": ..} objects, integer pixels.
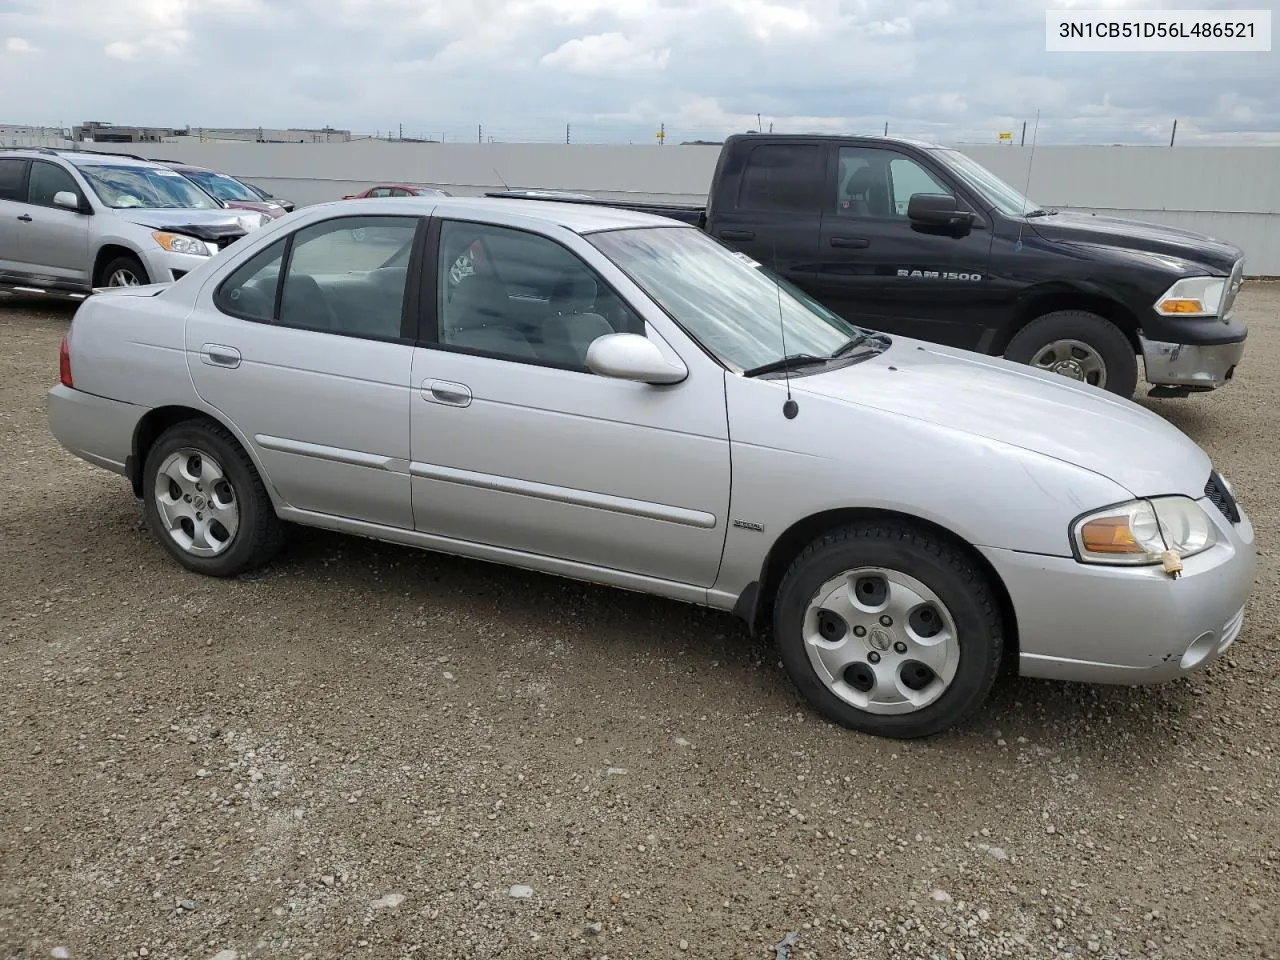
[
  {"x": 1216, "y": 490},
  {"x": 223, "y": 242}
]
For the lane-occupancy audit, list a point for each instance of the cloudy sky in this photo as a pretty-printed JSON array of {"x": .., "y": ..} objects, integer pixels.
[{"x": 954, "y": 70}]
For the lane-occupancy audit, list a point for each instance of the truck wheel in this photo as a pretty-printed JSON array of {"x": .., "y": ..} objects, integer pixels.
[
  {"x": 888, "y": 630},
  {"x": 124, "y": 271},
  {"x": 205, "y": 502},
  {"x": 1079, "y": 345}
]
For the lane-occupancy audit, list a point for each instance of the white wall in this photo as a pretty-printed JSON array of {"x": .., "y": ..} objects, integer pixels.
[{"x": 1227, "y": 192}]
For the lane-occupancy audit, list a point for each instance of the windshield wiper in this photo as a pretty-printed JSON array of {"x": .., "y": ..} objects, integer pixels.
[
  {"x": 854, "y": 342},
  {"x": 1040, "y": 212},
  {"x": 789, "y": 362}
]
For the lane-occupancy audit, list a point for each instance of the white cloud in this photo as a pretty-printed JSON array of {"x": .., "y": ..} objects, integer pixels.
[
  {"x": 607, "y": 53},
  {"x": 19, "y": 45},
  {"x": 121, "y": 50}
]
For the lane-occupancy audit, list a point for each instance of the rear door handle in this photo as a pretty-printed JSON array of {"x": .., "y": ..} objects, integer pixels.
[
  {"x": 25, "y": 218},
  {"x": 859, "y": 242},
  {"x": 217, "y": 355},
  {"x": 447, "y": 392},
  {"x": 737, "y": 234}
]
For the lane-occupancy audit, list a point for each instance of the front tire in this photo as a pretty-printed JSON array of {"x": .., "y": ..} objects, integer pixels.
[
  {"x": 889, "y": 630},
  {"x": 124, "y": 271},
  {"x": 1079, "y": 345},
  {"x": 205, "y": 502}
]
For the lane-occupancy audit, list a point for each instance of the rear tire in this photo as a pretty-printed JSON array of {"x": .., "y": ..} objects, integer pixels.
[
  {"x": 889, "y": 630},
  {"x": 1080, "y": 345},
  {"x": 124, "y": 271},
  {"x": 205, "y": 502}
]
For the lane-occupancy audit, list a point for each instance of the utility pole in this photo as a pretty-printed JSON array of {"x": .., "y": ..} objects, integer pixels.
[
  {"x": 566, "y": 133},
  {"x": 759, "y": 124},
  {"x": 1024, "y": 134},
  {"x": 479, "y": 133},
  {"x": 886, "y": 128},
  {"x": 1174, "y": 132}
]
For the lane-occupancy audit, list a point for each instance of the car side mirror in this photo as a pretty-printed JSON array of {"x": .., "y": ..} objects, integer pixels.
[
  {"x": 938, "y": 210},
  {"x": 67, "y": 200},
  {"x": 629, "y": 356}
]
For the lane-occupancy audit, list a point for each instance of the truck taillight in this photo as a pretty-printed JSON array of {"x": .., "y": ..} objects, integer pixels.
[{"x": 64, "y": 363}]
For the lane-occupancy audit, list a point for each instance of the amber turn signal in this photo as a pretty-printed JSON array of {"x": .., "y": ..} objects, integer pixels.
[{"x": 1109, "y": 535}]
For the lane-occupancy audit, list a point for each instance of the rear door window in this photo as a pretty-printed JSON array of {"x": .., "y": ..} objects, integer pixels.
[
  {"x": 12, "y": 172},
  {"x": 782, "y": 177}
]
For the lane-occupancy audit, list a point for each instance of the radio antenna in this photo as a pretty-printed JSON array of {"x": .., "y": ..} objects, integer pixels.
[
  {"x": 789, "y": 408},
  {"x": 1026, "y": 189}
]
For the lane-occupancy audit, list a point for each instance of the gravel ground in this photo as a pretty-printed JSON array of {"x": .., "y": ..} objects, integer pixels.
[{"x": 370, "y": 751}]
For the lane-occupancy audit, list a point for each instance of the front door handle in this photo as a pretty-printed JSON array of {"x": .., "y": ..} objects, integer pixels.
[
  {"x": 858, "y": 242},
  {"x": 447, "y": 392},
  {"x": 737, "y": 234},
  {"x": 25, "y": 218},
  {"x": 217, "y": 355}
]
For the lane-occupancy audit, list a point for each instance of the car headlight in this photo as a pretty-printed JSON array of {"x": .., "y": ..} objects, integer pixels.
[
  {"x": 1193, "y": 297},
  {"x": 1137, "y": 533},
  {"x": 180, "y": 243}
]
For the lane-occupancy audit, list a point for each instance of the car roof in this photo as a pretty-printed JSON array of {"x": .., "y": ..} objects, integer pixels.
[
  {"x": 97, "y": 157},
  {"x": 580, "y": 218},
  {"x": 106, "y": 159},
  {"x": 179, "y": 165}
]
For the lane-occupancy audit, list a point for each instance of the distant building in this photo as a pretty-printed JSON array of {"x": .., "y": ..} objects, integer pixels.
[
  {"x": 94, "y": 131},
  {"x": 25, "y": 135}
]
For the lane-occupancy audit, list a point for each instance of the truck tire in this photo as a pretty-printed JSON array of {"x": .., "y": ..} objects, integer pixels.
[
  {"x": 1079, "y": 345},
  {"x": 124, "y": 271},
  {"x": 888, "y": 629}
]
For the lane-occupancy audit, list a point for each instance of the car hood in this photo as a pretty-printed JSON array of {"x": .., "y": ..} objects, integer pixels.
[
  {"x": 205, "y": 224},
  {"x": 272, "y": 210},
  {"x": 1017, "y": 405},
  {"x": 1138, "y": 235}
]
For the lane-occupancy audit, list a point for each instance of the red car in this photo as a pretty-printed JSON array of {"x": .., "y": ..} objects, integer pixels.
[
  {"x": 399, "y": 190},
  {"x": 226, "y": 189}
]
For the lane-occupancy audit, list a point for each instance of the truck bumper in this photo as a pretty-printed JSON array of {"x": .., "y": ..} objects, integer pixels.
[{"x": 1190, "y": 366}]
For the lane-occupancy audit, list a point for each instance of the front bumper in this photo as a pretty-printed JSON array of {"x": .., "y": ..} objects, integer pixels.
[
  {"x": 1097, "y": 624},
  {"x": 165, "y": 267},
  {"x": 1191, "y": 365}
]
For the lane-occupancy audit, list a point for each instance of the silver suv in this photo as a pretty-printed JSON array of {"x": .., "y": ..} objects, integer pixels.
[{"x": 71, "y": 221}]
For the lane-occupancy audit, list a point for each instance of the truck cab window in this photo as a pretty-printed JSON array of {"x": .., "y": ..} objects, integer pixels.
[
  {"x": 782, "y": 177},
  {"x": 880, "y": 183}
]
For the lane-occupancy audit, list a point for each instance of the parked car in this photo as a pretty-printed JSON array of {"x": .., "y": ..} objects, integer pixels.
[
  {"x": 71, "y": 221},
  {"x": 288, "y": 205},
  {"x": 232, "y": 193},
  {"x": 919, "y": 239},
  {"x": 398, "y": 190},
  {"x": 606, "y": 395}
]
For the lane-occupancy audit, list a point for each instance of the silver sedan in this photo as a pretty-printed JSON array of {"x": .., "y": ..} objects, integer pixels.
[{"x": 615, "y": 397}]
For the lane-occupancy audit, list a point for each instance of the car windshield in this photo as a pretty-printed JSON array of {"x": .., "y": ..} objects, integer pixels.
[
  {"x": 726, "y": 301},
  {"x": 222, "y": 186},
  {"x": 1008, "y": 200},
  {"x": 120, "y": 186}
]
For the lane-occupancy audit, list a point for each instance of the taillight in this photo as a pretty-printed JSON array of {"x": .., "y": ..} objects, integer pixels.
[{"x": 64, "y": 363}]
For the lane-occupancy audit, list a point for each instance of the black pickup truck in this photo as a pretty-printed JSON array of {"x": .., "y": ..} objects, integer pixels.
[{"x": 919, "y": 240}]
